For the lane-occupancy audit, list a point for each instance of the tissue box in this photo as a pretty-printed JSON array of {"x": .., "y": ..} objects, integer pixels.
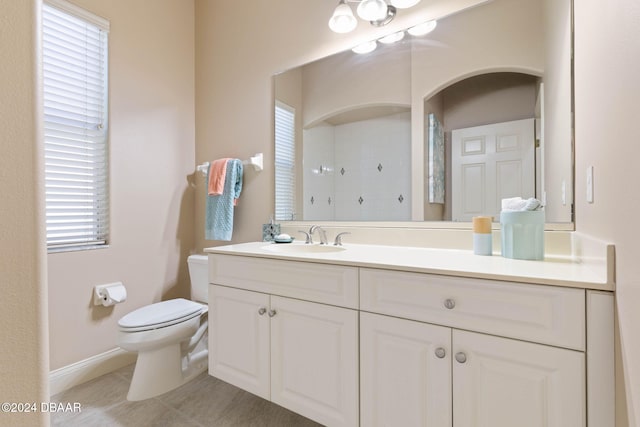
[{"x": 522, "y": 234}]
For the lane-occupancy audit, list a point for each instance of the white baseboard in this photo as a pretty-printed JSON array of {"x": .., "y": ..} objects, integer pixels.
[{"x": 85, "y": 370}]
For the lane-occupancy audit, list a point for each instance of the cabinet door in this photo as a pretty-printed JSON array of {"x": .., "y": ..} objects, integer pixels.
[
  {"x": 499, "y": 382},
  {"x": 405, "y": 372},
  {"x": 314, "y": 360},
  {"x": 239, "y": 338}
]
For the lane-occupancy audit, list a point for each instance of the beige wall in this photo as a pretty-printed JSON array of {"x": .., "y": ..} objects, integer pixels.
[
  {"x": 23, "y": 334},
  {"x": 151, "y": 139},
  {"x": 557, "y": 108},
  {"x": 348, "y": 81},
  {"x": 489, "y": 98},
  {"x": 481, "y": 47},
  {"x": 607, "y": 55}
]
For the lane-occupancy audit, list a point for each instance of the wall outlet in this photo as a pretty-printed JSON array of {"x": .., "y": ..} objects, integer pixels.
[{"x": 590, "y": 184}]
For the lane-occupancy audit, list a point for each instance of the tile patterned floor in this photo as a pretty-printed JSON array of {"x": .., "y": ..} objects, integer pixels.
[{"x": 205, "y": 401}]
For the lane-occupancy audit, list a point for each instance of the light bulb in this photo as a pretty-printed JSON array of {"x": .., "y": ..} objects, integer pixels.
[
  {"x": 342, "y": 20},
  {"x": 422, "y": 29},
  {"x": 365, "y": 47},
  {"x": 392, "y": 38},
  {"x": 372, "y": 10},
  {"x": 404, "y": 4}
]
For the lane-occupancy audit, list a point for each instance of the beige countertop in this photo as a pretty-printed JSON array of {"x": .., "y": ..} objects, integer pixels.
[{"x": 553, "y": 270}]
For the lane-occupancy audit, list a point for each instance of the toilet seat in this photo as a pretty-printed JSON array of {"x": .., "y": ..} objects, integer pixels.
[{"x": 161, "y": 315}]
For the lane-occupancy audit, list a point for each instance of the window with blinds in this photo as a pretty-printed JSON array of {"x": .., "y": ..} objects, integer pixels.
[
  {"x": 75, "y": 46},
  {"x": 285, "y": 162}
]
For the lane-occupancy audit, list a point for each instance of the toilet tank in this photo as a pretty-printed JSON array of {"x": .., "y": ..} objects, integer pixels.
[{"x": 199, "y": 276}]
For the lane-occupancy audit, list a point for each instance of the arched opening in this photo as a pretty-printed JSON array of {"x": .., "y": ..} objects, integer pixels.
[{"x": 477, "y": 100}]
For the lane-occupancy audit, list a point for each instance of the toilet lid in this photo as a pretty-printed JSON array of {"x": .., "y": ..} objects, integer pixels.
[{"x": 161, "y": 313}]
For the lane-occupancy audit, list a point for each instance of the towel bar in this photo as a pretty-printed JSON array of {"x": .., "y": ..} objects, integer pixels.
[{"x": 255, "y": 161}]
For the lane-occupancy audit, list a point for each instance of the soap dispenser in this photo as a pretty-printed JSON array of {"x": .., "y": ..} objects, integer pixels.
[{"x": 270, "y": 231}]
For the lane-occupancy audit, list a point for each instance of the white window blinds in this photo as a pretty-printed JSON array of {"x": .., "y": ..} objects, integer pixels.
[
  {"x": 285, "y": 162},
  {"x": 75, "y": 46}
]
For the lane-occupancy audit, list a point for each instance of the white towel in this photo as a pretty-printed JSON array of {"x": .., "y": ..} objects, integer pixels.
[{"x": 520, "y": 204}]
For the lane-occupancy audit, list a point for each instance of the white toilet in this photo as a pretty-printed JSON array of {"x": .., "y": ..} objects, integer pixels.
[{"x": 170, "y": 338}]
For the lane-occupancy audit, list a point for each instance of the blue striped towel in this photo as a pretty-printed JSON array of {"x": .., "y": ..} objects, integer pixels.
[{"x": 219, "y": 209}]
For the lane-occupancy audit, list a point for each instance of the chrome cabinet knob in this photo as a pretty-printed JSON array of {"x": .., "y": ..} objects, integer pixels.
[
  {"x": 461, "y": 357},
  {"x": 449, "y": 303},
  {"x": 262, "y": 310},
  {"x": 272, "y": 313},
  {"x": 440, "y": 352}
]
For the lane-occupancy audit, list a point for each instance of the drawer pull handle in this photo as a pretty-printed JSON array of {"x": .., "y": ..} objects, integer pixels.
[
  {"x": 449, "y": 303},
  {"x": 440, "y": 352},
  {"x": 262, "y": 310},
  {"x": 461, "y": 357},
  {"x": 272, "y": 313}
]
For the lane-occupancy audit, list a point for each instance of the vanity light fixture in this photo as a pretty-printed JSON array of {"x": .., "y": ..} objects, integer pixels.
[
  {"x": 422, "y": 29},
  {"x": 372, "y": 10},
  {"x": 342, "y": 20},
  {"x": 377, "y": 12},
  {"x": 365, "y": 47},
  {"x": 391, "y": 13},
  {"x": 404, "y": 4},
  {"x": 392, "y": 38},
  {"x": 416, "y": 31}
]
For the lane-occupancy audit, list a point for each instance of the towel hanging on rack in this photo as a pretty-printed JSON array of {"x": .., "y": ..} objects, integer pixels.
[
  {"x": 256, "y": 162},
  {"x": 219, "y": 208},
  {"x": 217, "y": 174}
]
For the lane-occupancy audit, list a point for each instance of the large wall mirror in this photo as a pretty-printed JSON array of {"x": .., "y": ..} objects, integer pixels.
[{"x": 433, "y": 128}]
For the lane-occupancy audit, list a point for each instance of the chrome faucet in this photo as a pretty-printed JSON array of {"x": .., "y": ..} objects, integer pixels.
[
  {"x": 338, "y": 241},
  {"x": 323, "y": 234},
  {"x": 308, "y": 238}
]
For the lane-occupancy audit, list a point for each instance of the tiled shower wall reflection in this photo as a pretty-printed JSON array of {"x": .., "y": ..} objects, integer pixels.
[{"x": 358, "y": 171}]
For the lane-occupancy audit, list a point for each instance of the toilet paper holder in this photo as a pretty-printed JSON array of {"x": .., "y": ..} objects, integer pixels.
[{"x": 109, "y": 294}]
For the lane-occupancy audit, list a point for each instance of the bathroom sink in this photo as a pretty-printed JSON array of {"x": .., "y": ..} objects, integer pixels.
[{"x": 301, "y": 248}]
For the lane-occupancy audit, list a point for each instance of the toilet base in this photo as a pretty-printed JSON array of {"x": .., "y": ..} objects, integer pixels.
[
  {"x": 146, "y": 382},
  {"x": 159, "y": 371},
  {"x": 162, "y": 369}
]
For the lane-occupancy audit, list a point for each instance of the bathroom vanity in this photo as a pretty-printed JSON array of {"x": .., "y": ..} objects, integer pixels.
[{"x": 378, "y": 335}]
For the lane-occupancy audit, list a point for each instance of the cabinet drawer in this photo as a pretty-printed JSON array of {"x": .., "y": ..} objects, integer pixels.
[
  {"x": 328, "y": 284},
  {"x": 544, "y": 314}
]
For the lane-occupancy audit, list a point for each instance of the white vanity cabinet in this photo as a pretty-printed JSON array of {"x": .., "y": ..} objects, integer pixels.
[
  {"x": 314, "y": 360},
  {"x": 240, "y": 339},
  {"x": 465, "y": 378},
  {"x": 417, "y": 374},
  {"x": 300, "y": 354},
  {"x": 502, "y": 382},
  {"x": 354, "y": 345},
  {"x": 405, "y": 372}
]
